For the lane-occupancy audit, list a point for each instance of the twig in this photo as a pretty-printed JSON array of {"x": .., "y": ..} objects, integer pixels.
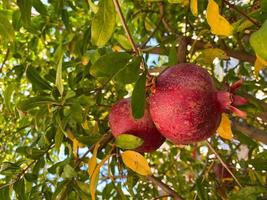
[
  {"x": 165, "y": 23},
  {"x": 223, "y": 163},
  {"x": 241, "y": 12},
  {"x": 103, "y": 141},
  {"x": 163, "y": 196},
  {"x": 124, "y": 24},
  {"x": 250, "y": 131},
  {"x": 164, "y": 187},
  {"x": 154, "y": 31},
  {"x": 5, "y": 59}
]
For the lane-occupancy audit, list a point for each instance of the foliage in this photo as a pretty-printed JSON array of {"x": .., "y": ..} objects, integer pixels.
[{"x": 64, "y": 63}]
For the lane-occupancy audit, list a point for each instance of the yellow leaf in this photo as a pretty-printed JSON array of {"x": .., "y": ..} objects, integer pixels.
[
  {"x": 92, "y": 162},
  {"x": 194, "y": 7},
  {"x": 224, "y": 129},
  {"x": 208, "y": 55},
  {"x": 94, "y": 177},
  {"x": 75, "y": 143},
  {"x": 136, "y": 162},
  {"x": 218, "y": 24},
  {"x": 259, "y": 64}
]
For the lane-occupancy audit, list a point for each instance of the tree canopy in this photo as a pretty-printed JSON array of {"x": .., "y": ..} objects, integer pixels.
[{"x": 64, "y": 63}]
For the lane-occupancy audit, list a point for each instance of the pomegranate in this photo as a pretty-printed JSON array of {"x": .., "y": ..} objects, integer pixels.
[
  {"x": 121, "y": 121},
  {"x": 185, "y": 105}
]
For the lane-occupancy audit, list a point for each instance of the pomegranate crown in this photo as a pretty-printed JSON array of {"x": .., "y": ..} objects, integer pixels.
[{"x": 228, "y": 100}]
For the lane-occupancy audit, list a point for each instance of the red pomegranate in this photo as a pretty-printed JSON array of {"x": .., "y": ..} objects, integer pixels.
[
  {"x": 121, "y": 121},
  {"x": 185, "y": 105}
]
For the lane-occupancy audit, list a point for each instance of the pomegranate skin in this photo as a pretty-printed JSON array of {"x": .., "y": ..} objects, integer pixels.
[
  {"x": 121, "y": 121},
  {"x": 184, "y": 105}
]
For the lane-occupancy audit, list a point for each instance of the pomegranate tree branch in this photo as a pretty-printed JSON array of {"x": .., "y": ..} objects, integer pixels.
[
  {"x": 250, "y": 131},
  {"x": 103, "y": 142},
  {"x": 199, "y": 44},
  {"x": 223, "y": 163},
  {"x": 182, "y": 50},
  {"x": 241, "y": 12},
  {"x": 164, "y": 187},
  {"x": 124, "y": 24}
]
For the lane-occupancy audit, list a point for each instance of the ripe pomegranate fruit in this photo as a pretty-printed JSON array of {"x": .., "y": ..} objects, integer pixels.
[
  {"x": 185, "y": 105},
  {"x": 121, "y": 121}
]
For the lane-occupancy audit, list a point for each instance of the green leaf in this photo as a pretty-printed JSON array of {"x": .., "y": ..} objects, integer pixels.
[
  {"x": 4, "y": 193},
  {"x": 19, "y": 188},
  {"x": 138, "y": 100},
  {"x": 30, "y": 152},
  {"x": 103, "y": 23},
  {"x": 8, "y": 168},
  {"x": 128, "y": 141},
  {"x": 260, "y": 161},
  {"x": 25, "y": 7},
  {"x": 76, "y": 112},
  {"x": 33, "y": 102},
  {"x": 59, "y": 81},
  {"x": 58, "y": 138},
  {"x": 83, "y": 186},
  {"x": 130, "y": 72},
  {"x": 248, "y": 193},
  {"x": 8, "y": 94},
  {"x": 16, "y": 20},
  {"x": 173, "y": 59},
  {"x": 123, "y": 41},
  {"x": 264, "y": 6},
  {"x": 93, "y": 6},
  {"x": 37, "y": 81},
  {"x": 40, "y": 7},
  {"x": 68, "y": 172},
  {"x": 6, "y": 29},
  {"x": 109, "y": 64},
  {"x": 258, "y": 41}
]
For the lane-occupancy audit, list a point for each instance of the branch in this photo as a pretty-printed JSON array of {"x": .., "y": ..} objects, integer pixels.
[
  {"x": 124, "y": 24},
  {"x": 164, "y": 187},
  {"x": 199, "y": 44},
  {"x": 103, "y": 142},
  {"x": 250, "y": 131},
  {"x": 223, "y": 163},
  {"x": 241, "y": 12},
  {"x": 182, "y": 50}
]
